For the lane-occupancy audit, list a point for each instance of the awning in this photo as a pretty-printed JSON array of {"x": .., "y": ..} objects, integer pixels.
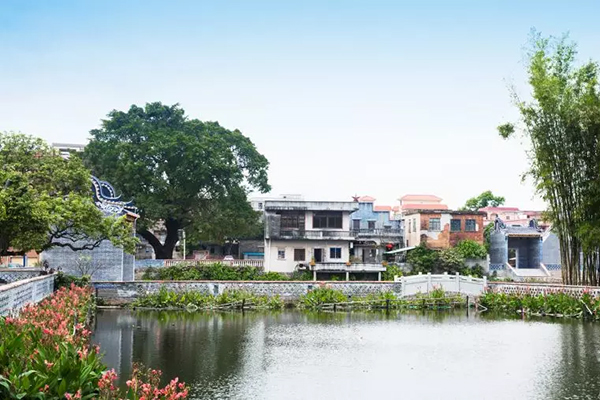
[{"x": 399, "y": 250}]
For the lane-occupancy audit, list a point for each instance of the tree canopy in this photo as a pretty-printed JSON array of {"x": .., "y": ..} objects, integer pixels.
[
  {"x": 485, "y": 199},
  {"x": 561, "y": 123},
  {"x": 180, "y": 172},
  {"x": 46, "y": 201}
]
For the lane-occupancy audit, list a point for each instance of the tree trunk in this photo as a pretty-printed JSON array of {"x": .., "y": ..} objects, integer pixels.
[{"x": 163, "y": 251}]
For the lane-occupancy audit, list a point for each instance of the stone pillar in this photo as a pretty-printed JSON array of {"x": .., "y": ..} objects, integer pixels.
[
  {"x": 347, "y": 276},
  {"x": 379, "y": 276},
  {"x": 314, "y": 275}
]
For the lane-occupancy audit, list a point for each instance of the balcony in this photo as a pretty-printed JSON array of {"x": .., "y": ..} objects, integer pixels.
[
  {"x": 377, "y": 233},
  {"x": 343, "y": 267},
  {"x": 312, "y": 235}
]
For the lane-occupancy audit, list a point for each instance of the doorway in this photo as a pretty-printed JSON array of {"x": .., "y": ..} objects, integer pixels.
[
  {"x": 513, "y": 258},
  {"x": 318, "y": 254}
]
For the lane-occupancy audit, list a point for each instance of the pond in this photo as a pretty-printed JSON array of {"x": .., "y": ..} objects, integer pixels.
[{"x": 297, "y": 355}]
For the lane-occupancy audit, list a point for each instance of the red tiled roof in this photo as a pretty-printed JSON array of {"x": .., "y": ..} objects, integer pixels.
[
  {"x": 396, "y": 208},
  {"x": 425, "y": 197},
  {"x": 366, "y": 199},
  {"x": 424, "y": 207},
  {"x": 499, "y": 209},
  {"x": 382, "y": 208}
]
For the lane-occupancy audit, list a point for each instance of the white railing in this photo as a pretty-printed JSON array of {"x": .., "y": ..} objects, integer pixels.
[
  {"x": 359, "y": 267},
  {"x": 16, "y": 295},
  {"x": 415, "y": 284},
  {"x": 231, "y": 263},
  {"x": 543, "y": 267}
]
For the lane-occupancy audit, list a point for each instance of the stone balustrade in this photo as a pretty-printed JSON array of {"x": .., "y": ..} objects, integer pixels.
[{"x": 14, "y": 296}]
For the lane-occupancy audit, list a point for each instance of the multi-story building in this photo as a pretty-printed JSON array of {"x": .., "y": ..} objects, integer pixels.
[
  {"x": 374, "y": 231},
  {"x": 442, "y": 229},
  {"x": 312, "y": 235},
  {"x": 513, "y": 216},
  {"x": 65, "y": 149},
  {"x": 411, "y": 202},
  {"x": 258, "y": 202}
]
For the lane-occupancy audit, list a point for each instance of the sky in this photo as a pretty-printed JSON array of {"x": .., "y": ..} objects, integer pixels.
[{"x": 379, "y": 98}]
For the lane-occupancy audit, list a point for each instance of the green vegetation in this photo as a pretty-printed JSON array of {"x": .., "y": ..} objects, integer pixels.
[
  {"x": 326, "y": 298},
  {"x": 194, "y": 300},
  {"x": 452, "y": 260},
  {"x": 555, "y": 304},
  {"x": 218, "y": 272},
  {"x": 46, "y": 201},
  {"x": 195, "y": 174},
  {"x": 561, "y": 124},
  {"x": 64, "y": 280},
  {"x": 485, "y": 199},
  {"x": 390, "y": 272}
]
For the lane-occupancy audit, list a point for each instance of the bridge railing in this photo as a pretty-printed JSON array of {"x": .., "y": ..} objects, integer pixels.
[
  {"x": 14, "y": 296},
  {"x": 415, "y": 284},
  {"x": 231, "y": 263}
]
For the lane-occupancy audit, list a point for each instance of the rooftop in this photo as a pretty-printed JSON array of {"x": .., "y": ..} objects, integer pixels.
[
  {"x": 278, "y": 205},
  {"x": 491, "y": 209},
  {"x": 366, "y": 199},
  {"x": 445, "y": 211},
  {"x": 382, "y": 208},
  {"x": 421, "y": 197},
  {"x": 424, "y": 207}
]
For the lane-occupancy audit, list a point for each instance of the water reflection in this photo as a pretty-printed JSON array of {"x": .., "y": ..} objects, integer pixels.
[{"x": 294, "y": 355}]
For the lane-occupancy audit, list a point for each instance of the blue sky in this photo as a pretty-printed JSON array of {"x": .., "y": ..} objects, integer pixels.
[{"x": 369, "y": 97}]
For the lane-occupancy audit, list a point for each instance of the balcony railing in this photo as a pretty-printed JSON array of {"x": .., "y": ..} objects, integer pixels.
[
  {"x": 376, "y": 232},
  {"x": 343, "y": 267},
  {"x": 321, "y": 234}
]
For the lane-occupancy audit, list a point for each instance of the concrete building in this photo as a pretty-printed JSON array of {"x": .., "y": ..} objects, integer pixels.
[
  {"x": 442, "y": 229},
  {"x": 512, "y": 216},
  {"x": 66, "y": 149},
  {"x": 373, "y": 230},
  {"x": 411, "y": 202},
  {"x": 312, "y": 235},
  {"x": 258, "y": 202}
]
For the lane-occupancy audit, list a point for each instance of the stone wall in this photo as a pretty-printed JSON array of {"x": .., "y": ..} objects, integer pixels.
[
  {"x": 10, "y": 275},
  {"x": 16, "y": 295},
  {"x": 109, "y": 262},
  {"x": 125, "y": 292},
  {"x": 542, "y": 288}
]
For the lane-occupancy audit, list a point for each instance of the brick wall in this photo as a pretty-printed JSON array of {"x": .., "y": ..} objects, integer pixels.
[{"x": 445, "y": 238}]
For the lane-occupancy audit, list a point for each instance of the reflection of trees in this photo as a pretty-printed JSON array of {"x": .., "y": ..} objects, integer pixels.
[{"x": 575, "y": 375}]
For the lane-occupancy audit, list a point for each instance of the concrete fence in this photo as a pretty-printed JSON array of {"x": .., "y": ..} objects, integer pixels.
[
  {"x": 231, "y": 263},
  {"x": 10, "y": 275},
  {"x": 415, "y": 284},
  {"x": 14, "y": 296}
]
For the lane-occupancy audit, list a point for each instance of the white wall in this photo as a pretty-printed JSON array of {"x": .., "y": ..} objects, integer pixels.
[
  {"x": 272, "y": 263},
  {"x": 414, "y": 236}
]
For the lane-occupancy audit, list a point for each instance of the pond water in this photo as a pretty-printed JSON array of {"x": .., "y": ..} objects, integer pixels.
[{"x": 296, "y": 355}]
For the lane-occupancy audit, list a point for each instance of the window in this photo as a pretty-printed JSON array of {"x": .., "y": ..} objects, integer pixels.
[
  {"x": 371, "y": 224},
  {"x": 409, "y": 226},
  {"x": 331, "y": 220},
  {"x": 434, "y": 224},
  {"x": 455, "y": 225},
  {"x": 356, "y": 224},
  {"x": 507, "y": 217},
  {"x": 281, "y": 254},
  {"x": 292, "y": 220},
  {"x": 260, "y": 206},
  {"x": 470, "y": 225},
  {"x": 299, "y": 254},
  {"x": 414, "y": 224},
  {"x": 335, "y": 253}
]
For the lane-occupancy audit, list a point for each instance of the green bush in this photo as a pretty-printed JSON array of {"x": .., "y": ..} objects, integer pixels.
[
  {"x": 471, "y": 249},
  {"x": 219, "y": 272},
  {"x": 390, "y": 272},
  {"x": 64, "y": 280},
  {"x": 422, "y": 259},
  {"x": 553, "y": 303},
  {"x": 322, "y": 295}
]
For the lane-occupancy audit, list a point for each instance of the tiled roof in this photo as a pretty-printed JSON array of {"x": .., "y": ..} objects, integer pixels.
[
  {"x": 424, "y": 207},
  {"x": 396, "y": 208},
  {"x": 426, "y": 197},
  {"x": 366, "y": 199},
  {"x": 499, "y": 209},
  {"x": 382, "y": 208}
]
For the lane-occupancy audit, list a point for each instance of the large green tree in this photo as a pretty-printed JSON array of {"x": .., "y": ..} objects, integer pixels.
[
  {"x": 47, "y": 201},
  {"x": 561, "y": 123},
  {"x": 180, "y": 172},
  {"x": 485, "y": 199}
]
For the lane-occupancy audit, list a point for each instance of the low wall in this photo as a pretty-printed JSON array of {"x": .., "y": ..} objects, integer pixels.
[
  {"x": 126, "y": 292},
  {"x": 14, "y": 296},
  {"x": 16, "y": 274},
  {"x": 542, "y": 288}
]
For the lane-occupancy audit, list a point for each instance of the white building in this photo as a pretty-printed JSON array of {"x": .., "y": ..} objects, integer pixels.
[
  {"x": 258, "y": 202},
  {"x": 311, "y": 235},
  {"x": 66, "y": 149}
]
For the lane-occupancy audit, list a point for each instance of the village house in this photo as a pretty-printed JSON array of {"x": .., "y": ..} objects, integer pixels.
[
  {"x": 312, "y": 236},
  {"x": 374, "y": 230},
  {"x": 512, "y": 216},
  {"x": 411, "y": 202},
  {"x": 442, "y": 229}
]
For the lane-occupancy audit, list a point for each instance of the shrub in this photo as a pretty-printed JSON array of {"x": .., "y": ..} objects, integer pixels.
[
  {"x": 390, "y": 272},
  {"x": 422, "y": 259},
  {"x": 46, "y": 353},
  {"x": 471, "y": 249},
  {"x": 63, "y": 280},
  {"x": 322, "y": 295},
  {"x": 219, "y": 272},
  {"x": 450, "y": 260}
]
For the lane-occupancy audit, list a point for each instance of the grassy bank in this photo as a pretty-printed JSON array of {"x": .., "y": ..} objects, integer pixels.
[
  {"x": 322, "y": 298},
  {"x": 555, "y": 304}
]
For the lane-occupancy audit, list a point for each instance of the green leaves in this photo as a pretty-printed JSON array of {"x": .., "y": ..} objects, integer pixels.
[
  {"x": 46, "y": 201},
  {"x": 186, "y": 172},
  {"x": 485, "y": 199}
]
